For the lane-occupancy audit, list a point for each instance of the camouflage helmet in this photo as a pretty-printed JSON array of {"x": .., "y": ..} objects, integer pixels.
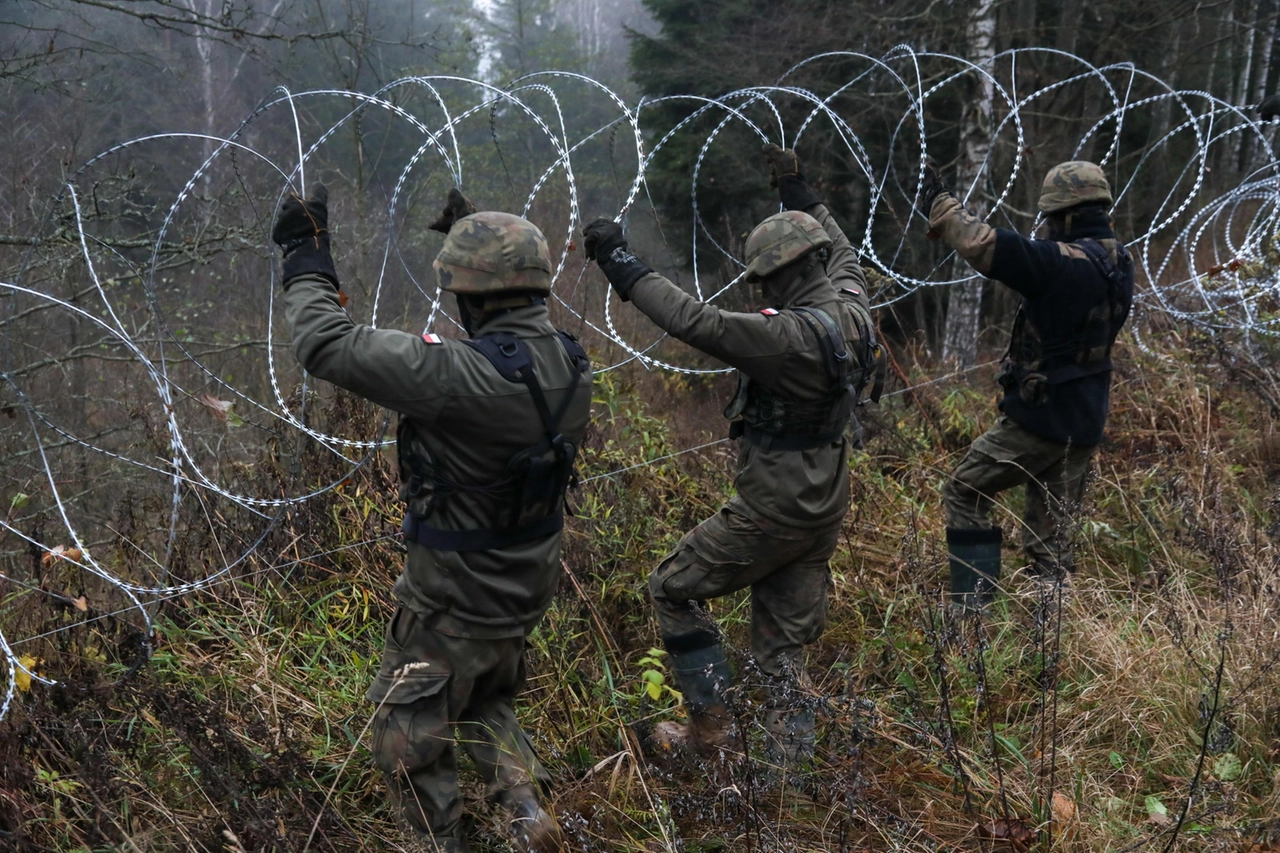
[
  {"x": 1076, "y": 182},
  {"x": 781, "y": 239},
  {"x": 490, "y": 252}
]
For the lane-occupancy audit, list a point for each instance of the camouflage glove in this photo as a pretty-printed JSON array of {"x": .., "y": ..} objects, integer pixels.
[
  {"x": 302, "y": 233},
  {"x": 604, "y": 244},
  {"x": 931, "y": 186},
  {"x": 785, "y": 174},
  {"x": 456, "y": 207}
]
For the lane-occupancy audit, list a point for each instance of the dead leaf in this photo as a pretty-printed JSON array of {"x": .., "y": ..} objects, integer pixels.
[
  {"x": 1159, "y": 819},
  {"x": 81, "y": 603},
  {"x": 1016, "y": 833},
  {"x": 21, "y": 679},
  {"x": 60, "y": 552},
  {"x": 1063, "y": 810},
  {"x": 342, "y": 299},
  {"x": 220, "y": 408},
  {"x": 1062, "y": 807}
]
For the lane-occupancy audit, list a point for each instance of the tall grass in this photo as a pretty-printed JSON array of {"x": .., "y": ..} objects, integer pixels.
[{"x": 1137, "y": 710}]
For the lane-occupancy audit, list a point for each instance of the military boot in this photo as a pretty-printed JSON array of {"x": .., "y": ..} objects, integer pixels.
[
  {"x": 533, "y": 828},
  {"x": 975, "y": 566},
  {"x": 702, "y": 672},
  {"x": 439, "y": 844},
  {"x": 790, "y": 736}
]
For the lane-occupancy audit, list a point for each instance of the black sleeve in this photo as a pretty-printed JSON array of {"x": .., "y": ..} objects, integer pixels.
[{"x": 1028, "y": 266}]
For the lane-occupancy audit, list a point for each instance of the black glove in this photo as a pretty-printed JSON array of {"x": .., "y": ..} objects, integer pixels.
[
  {"x": 1269, "y": 109},
  {"x": 604, "y": 244},
  {"x": 456, "y": 207},
  {"x": 302, "y": 233},
  {"x": 931, "y": 186},
  {"x": 785, "y": 174}
]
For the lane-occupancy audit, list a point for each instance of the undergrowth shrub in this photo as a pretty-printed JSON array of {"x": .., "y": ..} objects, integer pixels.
[{"x": 1141, "y": 701}]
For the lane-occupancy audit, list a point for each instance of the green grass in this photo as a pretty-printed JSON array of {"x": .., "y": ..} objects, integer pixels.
[{"x": 250, "y": 717}]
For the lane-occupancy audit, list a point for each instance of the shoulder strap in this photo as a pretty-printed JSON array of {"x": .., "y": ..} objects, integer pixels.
[
  {"x": 573, "y": 349},
  {"x": 510, "y": 357},
  {"x": 505, "y": 352},
  {"x": 1102, "y": 258},
  {"x": 834, "y": 352},
  {"x": 1114, "y": 273}
]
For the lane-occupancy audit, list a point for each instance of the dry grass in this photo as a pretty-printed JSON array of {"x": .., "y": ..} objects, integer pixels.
[{"x": 1153, "y": 687}]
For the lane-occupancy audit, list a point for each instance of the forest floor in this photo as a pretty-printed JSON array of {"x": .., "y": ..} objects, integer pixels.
[{"x": 1136, "y": 710}]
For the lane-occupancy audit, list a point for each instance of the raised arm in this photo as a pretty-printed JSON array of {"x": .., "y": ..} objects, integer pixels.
[
  {"x": 737, "y": 338},
  {"x": 393, "y": 369},
  {"x": 843, "y": 267},
  {"x": 1019, "y": 262}
]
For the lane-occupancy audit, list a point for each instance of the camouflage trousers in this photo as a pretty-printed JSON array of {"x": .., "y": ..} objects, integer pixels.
[
  {"x": 428, "y": 684},
  {"x": 1006, "y": 456},
  {"x": 729, "y": 552}
]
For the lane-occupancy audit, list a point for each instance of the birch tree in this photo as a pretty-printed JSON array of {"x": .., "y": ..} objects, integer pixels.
[{"x": 960, "y": 338}]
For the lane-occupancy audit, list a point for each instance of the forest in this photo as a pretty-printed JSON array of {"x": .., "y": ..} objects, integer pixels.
[{"x": 199, "y": 540}]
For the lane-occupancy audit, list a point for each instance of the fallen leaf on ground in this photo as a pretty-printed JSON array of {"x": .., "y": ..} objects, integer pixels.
[
  {"x": 1063, "y": 808},
  {"x": 81, "y": 603},
  {"x": 1015, "y": 833}
]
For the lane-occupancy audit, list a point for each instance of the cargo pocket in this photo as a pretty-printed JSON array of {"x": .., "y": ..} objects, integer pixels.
[
  {"x": 711, "y": 559},
  {"x": 410, "y": 683},
  {"x": 410, "y": 727},
  {"x": 400, "y": 628}
]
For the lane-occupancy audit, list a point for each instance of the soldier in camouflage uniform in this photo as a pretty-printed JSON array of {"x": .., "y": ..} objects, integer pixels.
[
  {"x": 487, "y": 433},
  {"x": 801, "y": 363},
  {"x": 1077, "y": 288}
]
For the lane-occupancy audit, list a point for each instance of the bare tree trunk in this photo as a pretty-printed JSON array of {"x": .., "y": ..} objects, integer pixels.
[
  {"x": 960, "y": 340},
  {"x": 1250, "y": 20},
  {"x": 1267, "y": 22},
  {"x": 1069, "y": 25},
  {"x": 1170, "y": 73}
]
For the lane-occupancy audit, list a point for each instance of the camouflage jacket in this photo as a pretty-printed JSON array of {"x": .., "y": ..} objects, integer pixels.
[
  {"x": 787, "y": 492},
  {"x": 472, "y": 421}
]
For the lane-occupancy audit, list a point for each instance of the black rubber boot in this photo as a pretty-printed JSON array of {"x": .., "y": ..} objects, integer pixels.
[
  {"x": 975, "y": 566},
  {"x": 702, "y": 673}
]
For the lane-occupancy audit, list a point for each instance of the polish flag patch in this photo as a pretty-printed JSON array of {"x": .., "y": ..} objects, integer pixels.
[
  {"x": 852, "y": 290},
  {"x": 432, "y": 339},
  {"x": 769, "y": 312}
]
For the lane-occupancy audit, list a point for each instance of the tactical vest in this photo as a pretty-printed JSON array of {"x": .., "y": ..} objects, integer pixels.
[
  {"x": 531, "y": 494},
  {"x": 1033, "y": 364},
  {"x": 774, "y": 422}
]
